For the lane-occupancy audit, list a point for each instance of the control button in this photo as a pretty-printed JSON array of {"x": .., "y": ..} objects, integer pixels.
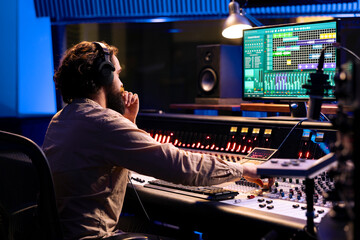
[
  {"x": 295, "y": 162},
  {"x": 261, "y": 200},
  {"x": 321, "y": 211},
  {"x": 296, "y": 205},
  {"x": 251, "y": 196},
  {"x": 237, "y": 201},
  {"x": 269, "y": 201},
  {"x": 285, "y": 164},
  {"x": 303, "y": 207},
  {"x": 274, "y": 161},
  {"x": 262, "y": 205},
  {"x": 270, "y": 207}
]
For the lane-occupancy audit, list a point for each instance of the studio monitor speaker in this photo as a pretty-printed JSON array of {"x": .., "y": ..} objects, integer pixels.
[{"x": 219, "y": 71}]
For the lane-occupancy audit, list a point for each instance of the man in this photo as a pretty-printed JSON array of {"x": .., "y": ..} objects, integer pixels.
[{"x": 93, "y": 142}]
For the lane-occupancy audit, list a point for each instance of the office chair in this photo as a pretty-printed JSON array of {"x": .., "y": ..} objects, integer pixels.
[{"x": 27, "y": 198}]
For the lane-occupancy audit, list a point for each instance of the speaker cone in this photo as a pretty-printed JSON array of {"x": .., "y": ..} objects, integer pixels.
[{"x": 208, "y": 80}]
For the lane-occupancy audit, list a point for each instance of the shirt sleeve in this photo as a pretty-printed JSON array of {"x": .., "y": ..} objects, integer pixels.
[{"x": 136, "y": 150}]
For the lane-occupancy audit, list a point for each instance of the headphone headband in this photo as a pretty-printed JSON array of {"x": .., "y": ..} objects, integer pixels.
[
  {"x": 104, "y": 67},
  {"x": 103, "y": 49}
]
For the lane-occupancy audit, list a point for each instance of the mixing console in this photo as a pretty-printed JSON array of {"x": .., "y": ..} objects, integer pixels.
[
  {"x": 286, "y": 197},
  {"x": 232, "y": 138},
  {"x": 235, "y": 138}
]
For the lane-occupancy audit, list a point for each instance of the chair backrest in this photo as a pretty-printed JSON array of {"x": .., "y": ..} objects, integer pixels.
[{"x": 27, "y": 197}]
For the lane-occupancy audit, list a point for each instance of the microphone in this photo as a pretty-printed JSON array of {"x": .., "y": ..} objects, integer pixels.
[{"x": 316, "y": 86}]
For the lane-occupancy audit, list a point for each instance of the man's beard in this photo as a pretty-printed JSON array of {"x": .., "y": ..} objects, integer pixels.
[{"x": 114, "y": 100}]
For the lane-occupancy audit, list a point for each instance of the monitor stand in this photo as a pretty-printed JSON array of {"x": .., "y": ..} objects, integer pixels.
[{"x": 298, "y": 112}]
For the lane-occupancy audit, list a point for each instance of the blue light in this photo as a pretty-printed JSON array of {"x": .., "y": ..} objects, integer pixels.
[
  {"x": 174, "y": 30},
  {"x": 254, "y": 114},
  {"x": 199, "y": 234},
  {"x": 8, "y": 60},
  {"x": 322, "y": 145},
  {"x": 36, "y": 90},
  {"x": 26, "y": 68},
  {"x": 206, "y": 112},
  {"x": 159, "y": 20}
]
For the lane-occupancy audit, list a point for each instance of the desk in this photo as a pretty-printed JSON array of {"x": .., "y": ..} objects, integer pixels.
[
  {"x": 215, "y": 219},
  {"x": 259, "y": 107}
]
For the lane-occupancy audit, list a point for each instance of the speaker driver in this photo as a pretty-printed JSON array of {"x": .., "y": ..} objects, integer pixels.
[{"x": 208, "y": 80}]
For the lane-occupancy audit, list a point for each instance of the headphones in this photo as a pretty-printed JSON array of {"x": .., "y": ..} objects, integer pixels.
[{"x": 104, "y": 69}]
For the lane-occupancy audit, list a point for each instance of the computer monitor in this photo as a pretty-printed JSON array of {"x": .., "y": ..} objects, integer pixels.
[{"x": 278, "y": 60}]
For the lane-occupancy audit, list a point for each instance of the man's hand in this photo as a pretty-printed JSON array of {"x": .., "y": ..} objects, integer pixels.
[
  {"x": 250, "y": 175},
  {"x": 131, "y": 102}
]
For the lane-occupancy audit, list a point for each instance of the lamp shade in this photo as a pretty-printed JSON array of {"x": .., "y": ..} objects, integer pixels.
[{"x": 235, "y": 23}]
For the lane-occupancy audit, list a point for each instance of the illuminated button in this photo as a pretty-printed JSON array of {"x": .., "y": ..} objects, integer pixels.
[{"x": 250, "y": 196}]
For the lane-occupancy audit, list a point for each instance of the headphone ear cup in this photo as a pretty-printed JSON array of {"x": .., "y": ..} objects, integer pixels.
[{"x": 106, "y": 73}]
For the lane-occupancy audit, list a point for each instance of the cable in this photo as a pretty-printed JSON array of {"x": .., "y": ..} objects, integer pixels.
[
  {"x": 141, "y": 204},
  {"x": 325, "y": 117},
  {"x": 297, "y": 124},
  {"x": 337, "y": 45},
  {"x": 137, "y": 196}
]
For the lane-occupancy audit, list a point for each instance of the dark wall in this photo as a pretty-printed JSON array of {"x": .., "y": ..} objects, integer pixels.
[
  {"x": 33, "y": 128},
  {"x": 158, "y": 59}
]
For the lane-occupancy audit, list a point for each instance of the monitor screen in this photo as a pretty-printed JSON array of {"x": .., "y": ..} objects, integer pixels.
[{"x": 278, "y": 59}]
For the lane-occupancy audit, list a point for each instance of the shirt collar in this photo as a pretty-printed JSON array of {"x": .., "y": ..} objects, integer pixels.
[{"x": 85, "y": 100}]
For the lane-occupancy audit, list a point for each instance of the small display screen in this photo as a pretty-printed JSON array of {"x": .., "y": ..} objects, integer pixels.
[{"x": 261, "y": 153}]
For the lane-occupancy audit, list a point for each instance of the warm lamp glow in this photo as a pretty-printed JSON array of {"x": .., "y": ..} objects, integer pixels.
[
  {"x": 235, "y": 23},
  {"x": 235, "y": 31}
]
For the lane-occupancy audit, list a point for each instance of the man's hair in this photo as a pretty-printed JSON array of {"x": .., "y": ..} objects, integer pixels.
[{"x": 76, "y": 76}]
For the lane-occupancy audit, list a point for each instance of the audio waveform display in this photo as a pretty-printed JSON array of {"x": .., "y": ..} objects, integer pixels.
[{"x": 278, "y": 60}]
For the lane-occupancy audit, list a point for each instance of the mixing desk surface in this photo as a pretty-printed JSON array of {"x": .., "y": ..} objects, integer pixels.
[
  {"x": 241, "y": 140},
  {"x": 286, "y": 198}
]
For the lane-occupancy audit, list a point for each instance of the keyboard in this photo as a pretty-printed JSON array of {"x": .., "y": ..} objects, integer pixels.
[{"x": 204, "y": 192}]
